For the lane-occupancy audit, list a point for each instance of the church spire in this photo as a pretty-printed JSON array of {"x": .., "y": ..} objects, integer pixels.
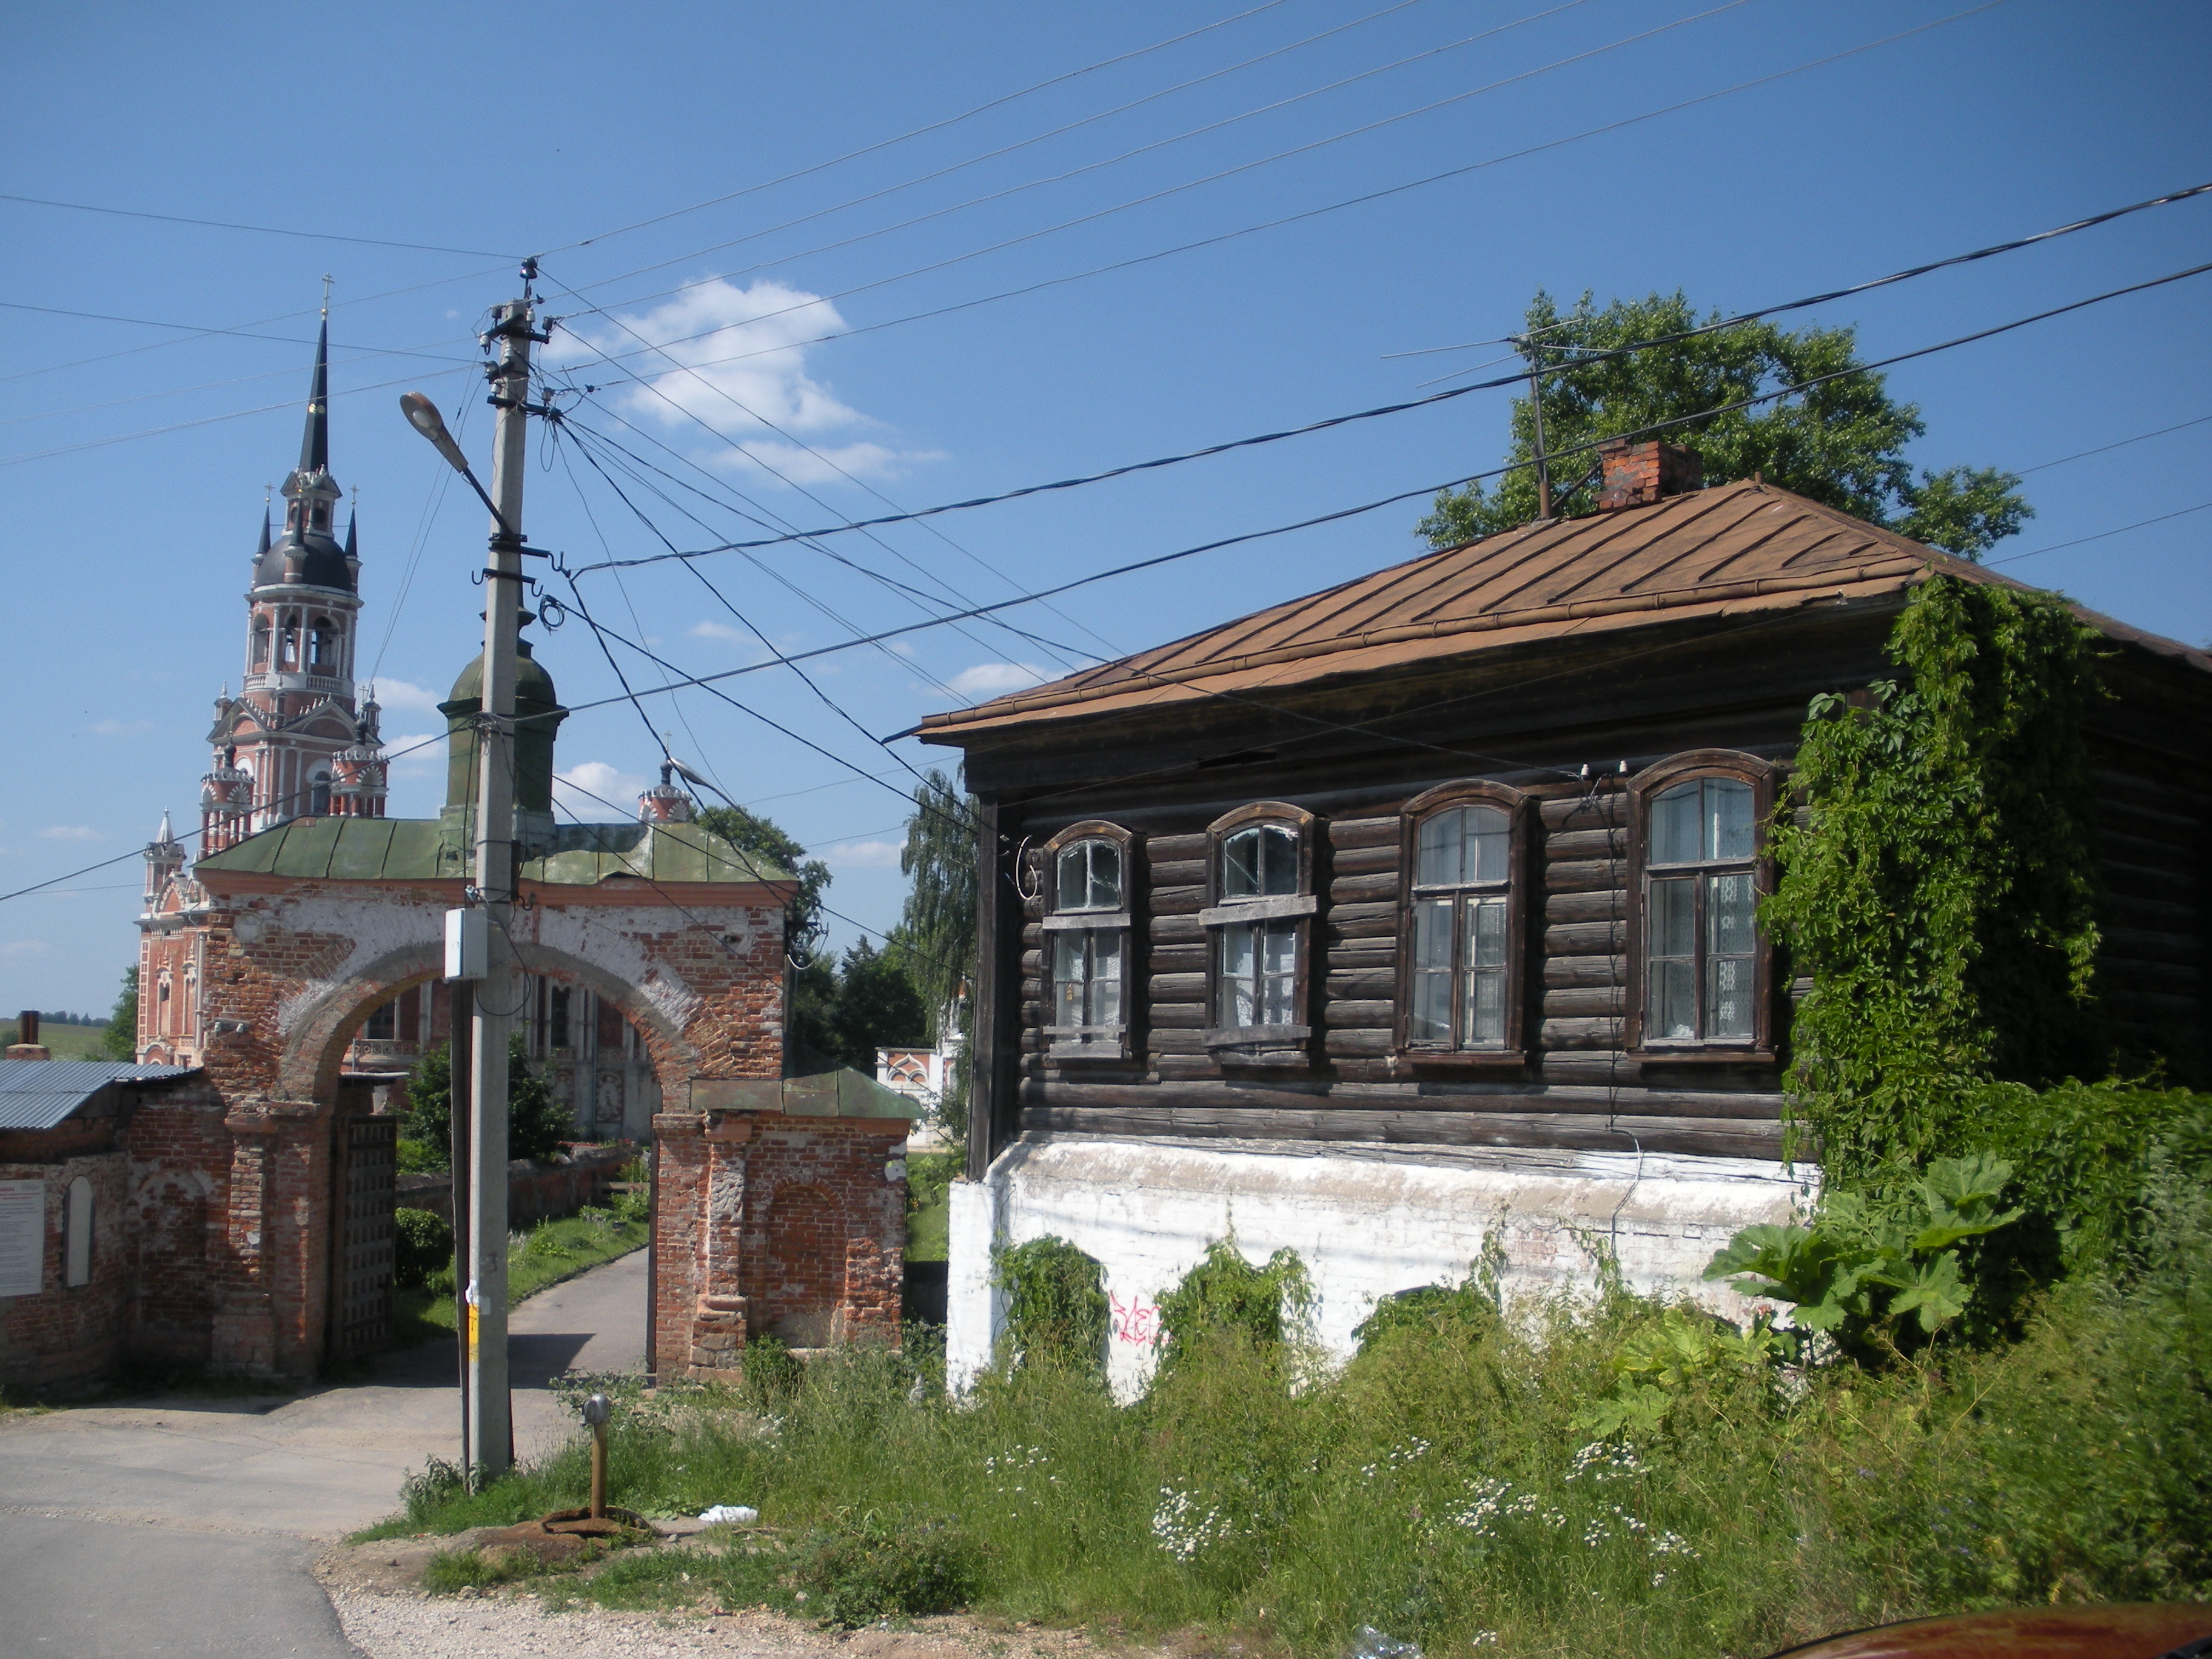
[
  {"x": 315, "y": 441},
  {"x": 264, "y": 548}
]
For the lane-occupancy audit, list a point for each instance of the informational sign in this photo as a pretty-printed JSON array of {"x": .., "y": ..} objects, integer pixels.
[{"x": 22, "y": 1237}]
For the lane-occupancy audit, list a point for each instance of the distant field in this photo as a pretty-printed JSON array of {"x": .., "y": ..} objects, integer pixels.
[{"x": 67, "y": 1041}]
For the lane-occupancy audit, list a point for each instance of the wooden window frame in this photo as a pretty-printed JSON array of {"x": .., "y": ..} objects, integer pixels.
[
  {"x": 1517, "y": 806},
  {"x": 1285, "y": 1045},
  {"x": 1064, "y": 1044},
  {"x": 1644, "y": 788}
]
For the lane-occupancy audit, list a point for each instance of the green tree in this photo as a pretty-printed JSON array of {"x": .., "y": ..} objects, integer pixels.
[
  {"x": 1841, "y": 443},
  {"x": 122, "y": 1038},
  {"x": 536, "y": 1120},
  {"x": 877, "y": 1005},
  {"x": 938, "y": 924}
]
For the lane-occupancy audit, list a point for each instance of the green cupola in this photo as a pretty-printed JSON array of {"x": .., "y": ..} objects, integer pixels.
[{"x": 538, "y": 716}]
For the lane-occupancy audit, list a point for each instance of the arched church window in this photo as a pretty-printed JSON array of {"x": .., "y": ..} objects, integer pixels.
[
  {"x": 322, "y": 647},
  {"x": 288, "y": 648},
  {"x": 260, "y": 644},
  {"x": 318, "y": 795}
]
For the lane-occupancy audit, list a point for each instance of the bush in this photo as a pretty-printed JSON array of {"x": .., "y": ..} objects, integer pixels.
[
  {"x": 421, "y": 1243},
  {"x": 864, "y": 1567},
  {"x": 1226, "y": 1295},
  {"x": 1056, "y": 1310}
]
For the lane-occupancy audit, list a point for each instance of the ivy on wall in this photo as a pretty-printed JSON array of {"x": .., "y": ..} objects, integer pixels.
[{"x": 1938, "y": 886}]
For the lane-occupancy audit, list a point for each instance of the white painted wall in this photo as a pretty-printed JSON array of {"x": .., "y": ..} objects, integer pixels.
[{"x": 1366, "y": 1220}]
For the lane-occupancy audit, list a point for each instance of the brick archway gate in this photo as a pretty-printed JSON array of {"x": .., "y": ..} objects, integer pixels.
[{"x": 290, "y": 961}]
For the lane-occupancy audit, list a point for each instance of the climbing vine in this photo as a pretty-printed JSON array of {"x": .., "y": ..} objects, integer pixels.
[
  {"x": 1056, "y": 1307},
  {"x": 1937, "y": 886}
]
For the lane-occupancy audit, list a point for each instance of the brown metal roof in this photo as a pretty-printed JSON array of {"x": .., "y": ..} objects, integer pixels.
[{"x": 1735, "y": 550}]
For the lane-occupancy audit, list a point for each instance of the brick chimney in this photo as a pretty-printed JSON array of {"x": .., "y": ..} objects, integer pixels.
[
  {"x": 27, "y": 1045},
  {"x": 1638, "y": 474}
]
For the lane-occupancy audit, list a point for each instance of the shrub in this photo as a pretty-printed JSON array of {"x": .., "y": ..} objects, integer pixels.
[
  {"x": 421, "y": 1243},
  {"x": 1056, "y": 1310},
  {"x": 862, "y": 1567}
]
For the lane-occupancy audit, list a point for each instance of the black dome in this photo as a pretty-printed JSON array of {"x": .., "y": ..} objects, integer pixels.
[{"x": 321, "y": 561}]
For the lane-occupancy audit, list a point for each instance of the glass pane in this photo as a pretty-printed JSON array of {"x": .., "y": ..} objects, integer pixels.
[
  {"x": 1485, "y": 1008},
  {"x": 1105, "y": 876},
  {"x": 1067, "y": 978},
  {"x": 1730, "y": 909},
  {"x": 1730, "y": 942},
  {"x": 1433, "y": 940},
  {"x": 1728, "y": 993},
  {"x": 1674, "y": 838},
  {"x": 1106, "y": 978},
  {"x": 1672, "y": 926},
  {"x": 1237, "y": 979},
  {"x": 1240, "y": 864},
  {"x": 1489, "y": 839},
  {"x": 1072, "y": 883},
  {"x": 1727, "y": 818},
  {"x": 1671, "y": 1007},
  {"x": 1279, "y": 869},
  {"x": 1486, "y": 933},
  {"x": 1279, "y": 961},
  {"x": 1430, "y": 1020},
  {"x": 1438, "y": 865}
]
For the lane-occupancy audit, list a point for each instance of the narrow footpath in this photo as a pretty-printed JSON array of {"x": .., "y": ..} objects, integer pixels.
[{"x": 185, "y": 1525}]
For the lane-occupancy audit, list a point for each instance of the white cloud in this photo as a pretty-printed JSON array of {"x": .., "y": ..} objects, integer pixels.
[
  {"x": 23, "y": 947},
  {"x": 402, "y": 694},
  {"x": 733, "y": 358},
  {"x": 989, "y": 679},
  {"x": 862, "y": 855},
  {"x": 119, "y": 728},
  {"x": 70, "y": 832},
  {"x": 575, "y": 787},
  {"x": 422, "y": 754},
  {"x": 714, "y": 631}
]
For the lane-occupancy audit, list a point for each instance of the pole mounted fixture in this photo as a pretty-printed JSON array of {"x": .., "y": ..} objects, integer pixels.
[{"x": 423, "y": 414}]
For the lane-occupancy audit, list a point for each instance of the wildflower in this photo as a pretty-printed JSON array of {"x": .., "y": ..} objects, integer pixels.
[
  {"x": 1657, "y": 1579},
  {"x": 1673, "y": 1543},
  {"x": 1484, "y": 1638},
  {"x": 1596, "y": 1534},
  {"x": 1177, "y": 1534}
]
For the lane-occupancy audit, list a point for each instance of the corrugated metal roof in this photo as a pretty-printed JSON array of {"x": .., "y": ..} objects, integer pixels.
[
  {"x": 427, "y": 849},
  {"x": 1734, "y": 549},
  {"x": 38, "y": 1094}
]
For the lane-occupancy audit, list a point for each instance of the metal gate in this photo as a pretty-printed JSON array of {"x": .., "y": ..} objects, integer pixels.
[{"x": 361, "y": 1243}]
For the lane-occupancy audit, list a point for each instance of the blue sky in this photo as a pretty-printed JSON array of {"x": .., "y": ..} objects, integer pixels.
[{"x": 133, "y": 459}]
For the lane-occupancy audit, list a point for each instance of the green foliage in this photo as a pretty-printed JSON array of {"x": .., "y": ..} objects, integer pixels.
[
  {"x": 537, "y": 1121},
  {"x": 750, "y": 832},
  {"x": 940, "y": 920},
  {"x": 429, "y": 1119},
  {"x": 878, "y": 1007},
  {"x": 1869, "y": 1261},
  {"x": 868, "y": 1566},
  {"x": 1056, "y": 1310},
  {"x": 421, "y": 1243},
  {"x": 929, "y": 1177},
  {"x": 1226, "y": 1296},
  {"x": 1940, "y": 891},
  {"x": 1841, "y": 443},
  {"x": 123, "y": 1024},
  {"x": 1441, "y": 1490}
]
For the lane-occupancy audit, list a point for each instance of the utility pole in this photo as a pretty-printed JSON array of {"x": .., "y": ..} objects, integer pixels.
[
  {"x": 1536, "y": 410},
  {"x": 489, "y": 1416}
]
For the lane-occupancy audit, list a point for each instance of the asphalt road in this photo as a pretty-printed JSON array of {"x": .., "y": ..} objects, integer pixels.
[{"x": 185, "y": 1525}]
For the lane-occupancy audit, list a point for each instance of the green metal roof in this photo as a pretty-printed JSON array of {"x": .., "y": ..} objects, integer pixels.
[{"x": 426, "y": 849}]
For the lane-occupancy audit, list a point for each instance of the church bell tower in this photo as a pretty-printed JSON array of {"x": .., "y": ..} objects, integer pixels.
[{"x": 295, "y": 742}]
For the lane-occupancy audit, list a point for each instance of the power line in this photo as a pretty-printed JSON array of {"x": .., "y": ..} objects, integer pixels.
[
  {"x": 1327, "y": 208},
  {"x": 262, "y": 230},
  {"x": 1177, "y": 190},
  {"x": 1159, "y": 559},
  {"x": 2079, "y": 454},
  {"x": 2181, "y": 512},
  {"x": 1128, "y": 154},
  {"x": 916, "y": 132},
  {"x": 1515, "y": 379},
  {"x": 196, "y": 328}
]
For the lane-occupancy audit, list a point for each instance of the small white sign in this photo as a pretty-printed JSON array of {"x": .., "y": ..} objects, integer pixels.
[{"x": 22, "y": 1237}]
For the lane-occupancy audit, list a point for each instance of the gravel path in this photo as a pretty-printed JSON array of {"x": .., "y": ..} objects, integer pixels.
[{"x": 510, "y": 1627}]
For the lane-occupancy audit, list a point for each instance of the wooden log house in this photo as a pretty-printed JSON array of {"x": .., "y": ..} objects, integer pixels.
[{"x": 1457, "y": 864}]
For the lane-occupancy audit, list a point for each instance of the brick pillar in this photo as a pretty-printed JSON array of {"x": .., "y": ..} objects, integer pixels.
[
  {"x": 719, "y": 1329},
  {"x": 244, "y": 1339},
  {"x": 274, "y": 1304}
]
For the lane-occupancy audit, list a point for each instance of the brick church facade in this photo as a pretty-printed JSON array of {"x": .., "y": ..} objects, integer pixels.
[{"x": 228, "y": 1220}]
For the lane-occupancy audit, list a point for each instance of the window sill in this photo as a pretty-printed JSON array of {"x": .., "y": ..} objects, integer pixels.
[
  {"x": 1285, "y": 1045},
  {"x": 1086, "y": 921},
  {"x": 1465, "y": 1059},
  {"x": 1282, "y": 907},
  {"x": 1065, "y": 1049},
  {"x": 1706, "y": 1054}
]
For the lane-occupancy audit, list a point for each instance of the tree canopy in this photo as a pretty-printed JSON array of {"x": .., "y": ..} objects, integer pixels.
[
  {"x": 1841, "y": 443},
  {"x": 939, "y": 923},
  {"x": 750, "y": 832}
]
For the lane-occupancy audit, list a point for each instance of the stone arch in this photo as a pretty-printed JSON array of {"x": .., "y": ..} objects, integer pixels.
[{"x": 316, "y": 1045}]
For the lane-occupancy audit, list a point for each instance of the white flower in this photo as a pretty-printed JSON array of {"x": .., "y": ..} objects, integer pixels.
[{"x": 1181, "y": 1536}]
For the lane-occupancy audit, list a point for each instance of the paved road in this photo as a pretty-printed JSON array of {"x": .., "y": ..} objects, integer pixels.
[{"x": 184, "y": 1526}]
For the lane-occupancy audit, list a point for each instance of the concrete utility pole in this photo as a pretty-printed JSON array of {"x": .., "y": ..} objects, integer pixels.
[{"x": 499, "y": 996}]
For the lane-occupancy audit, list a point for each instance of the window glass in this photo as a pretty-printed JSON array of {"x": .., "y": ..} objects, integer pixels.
[
  {"x": 1463, "y": 845},
  {"x": 1239, "y": 986},
  {"x": 1069, "y": 978},
  {"x": 1279, "y": 955},
  {"x": 1484, "y": 955},
  {"x": 1671, "y": 991},
  {"x": 1727, "y": 818},
  {"x": 1260, "y": 862},
  {"x": 1675, "y": 830},
  {"x": 1105, "y": 978},
  {"x": 1433, "y": 971},
  {"x": 1259, "y": 974},
  {"x": 1730, "y": 954},
  {"x": 1089, "y": 877}
]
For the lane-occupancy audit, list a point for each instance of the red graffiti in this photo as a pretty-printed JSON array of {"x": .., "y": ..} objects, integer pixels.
[{"x": 1135, "y": 1323}]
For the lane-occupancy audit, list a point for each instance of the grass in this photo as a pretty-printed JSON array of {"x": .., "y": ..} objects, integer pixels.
[
  {"x": 1445, "y": 1487},
  {"x": 67, "y": 1041},
  {"x": 551, "y": 1252},
  {"x": 929, "y": 1204}
]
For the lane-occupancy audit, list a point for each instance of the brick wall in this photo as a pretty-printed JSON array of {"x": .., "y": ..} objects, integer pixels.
[
  {"x": 535, "y": 1192},
  {"x": 63, "y": 1335},
  {"x": 181, "y": 1158}
]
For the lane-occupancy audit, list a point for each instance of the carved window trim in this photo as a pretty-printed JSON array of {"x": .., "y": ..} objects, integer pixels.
[
  {"x": 1289, "y": 1042},
  {"x": 1643, "y": 789},
  {"x": 1518, "y": 809},
  {"x": 1106, "y": 1041}
]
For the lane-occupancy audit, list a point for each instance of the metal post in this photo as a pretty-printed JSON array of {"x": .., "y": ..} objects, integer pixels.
[
  {"x": 1536, "y": 410},
  {"x": 491, "y": 1430},
  {"x": 459, "y": 1074}
]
